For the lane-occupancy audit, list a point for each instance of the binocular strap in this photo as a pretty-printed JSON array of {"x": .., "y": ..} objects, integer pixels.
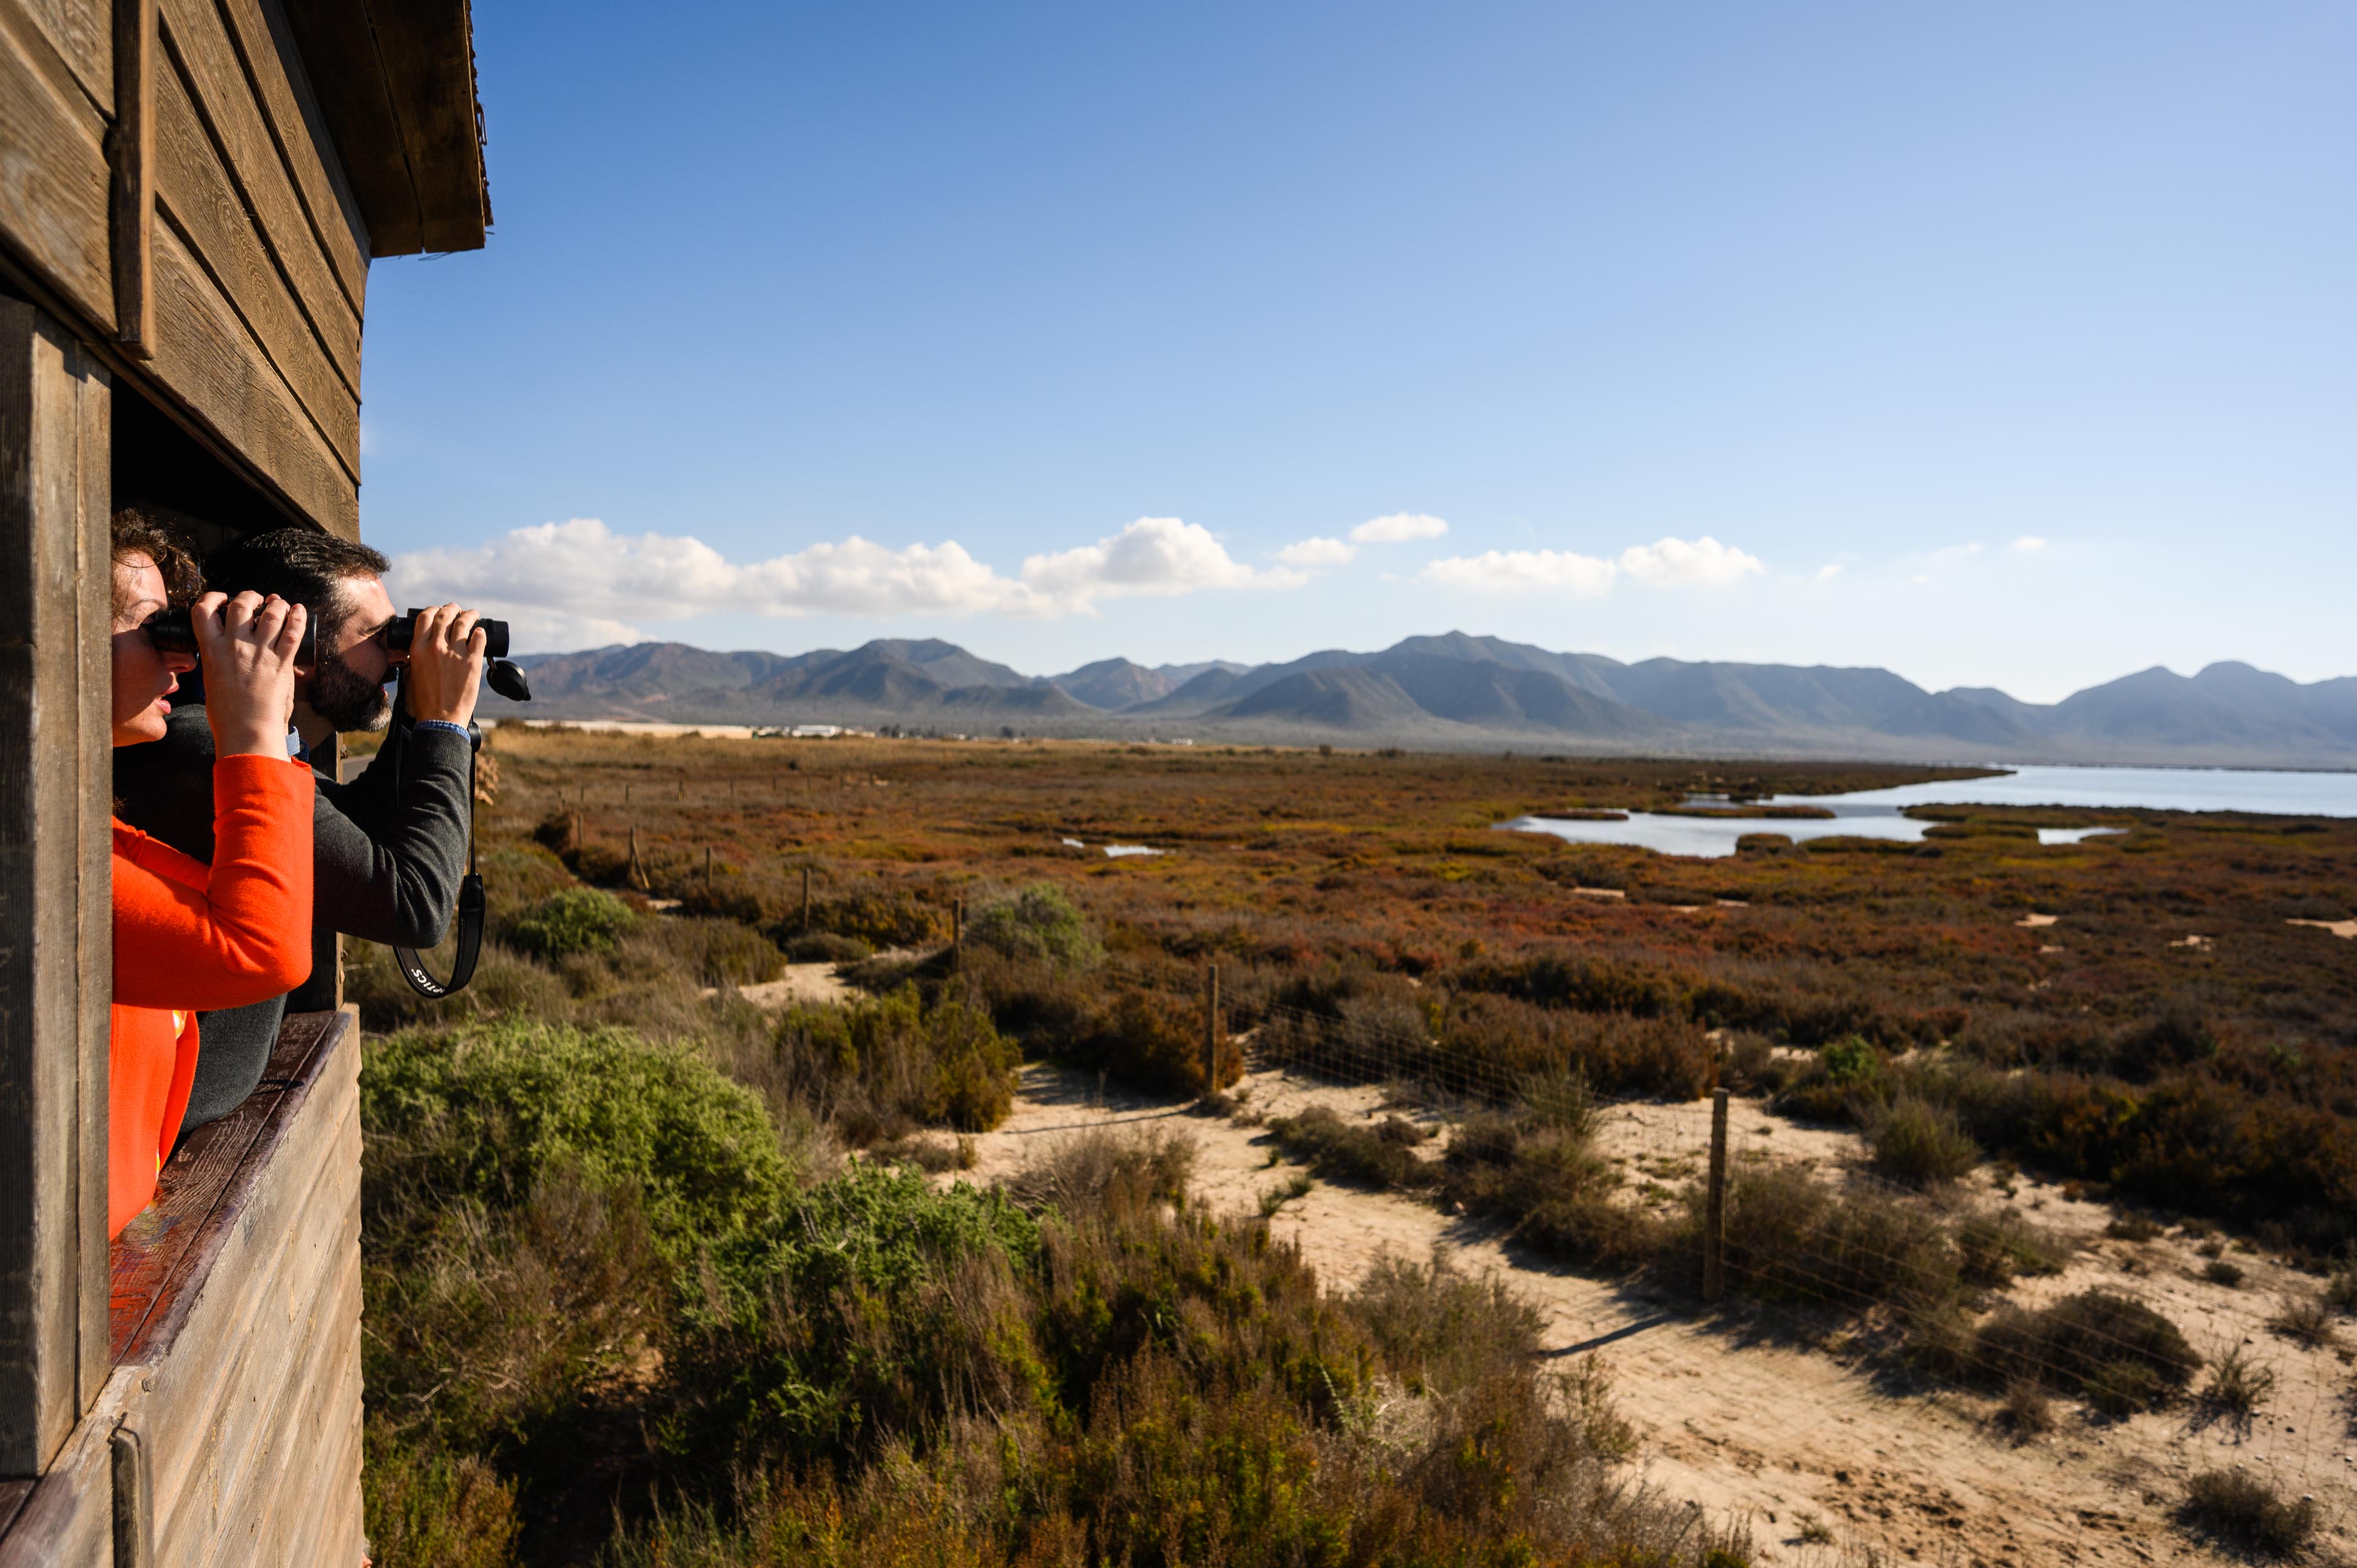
[
  {"x": 472, "y": 905},
  {"x": 470, "y": 947}
]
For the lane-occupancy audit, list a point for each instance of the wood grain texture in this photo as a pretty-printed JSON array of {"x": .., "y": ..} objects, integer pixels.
[
  {"x": 245, "y": 1352},
  {"x": 245, "y": 1330},
  {"x": 166, "y": 1254},
  {"x": 198, "y": 194},
  {"x": 339, "y": 42},
  {"x": 198, "y": 40},
  {"x": 94, "y": 912},
  {"x": 210, "y": 364},
  {"x": 59, "y": 936},
  {"x": 56, "y": 188},
  {"x": 275, "y": 65},
  {"x": 262, "y": 1499},
  {"x": 131, "y": 151},
  {"x": 67, "y": 1520},
  {"x": 427, "y": 50},
  {"x": 81, "y": 32}
]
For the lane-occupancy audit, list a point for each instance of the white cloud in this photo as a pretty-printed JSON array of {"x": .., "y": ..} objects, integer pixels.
[
  {"x": 1154, "y": 557},
  {"x": 1664, "y": 563},
  {"x": 1398, "y": 529},
  {"x": 2029, "y": 544},
  {"x": 568, "y": 583},
  {"x": 1525, "y": 572},
  {"x": 1676, "y": 564},
  {"x": 1317, "y": 553},
  {"x": 1828, "y": 571}
]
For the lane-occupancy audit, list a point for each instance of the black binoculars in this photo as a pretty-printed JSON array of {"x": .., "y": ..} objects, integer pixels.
[{"x": 174, "y": 631}]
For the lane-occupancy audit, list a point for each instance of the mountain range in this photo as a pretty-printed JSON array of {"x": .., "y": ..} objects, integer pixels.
[{"x": 1460, "y": 692}]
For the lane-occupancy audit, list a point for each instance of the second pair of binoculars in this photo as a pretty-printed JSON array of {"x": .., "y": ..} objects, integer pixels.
[{"x": 172, "y": 631}]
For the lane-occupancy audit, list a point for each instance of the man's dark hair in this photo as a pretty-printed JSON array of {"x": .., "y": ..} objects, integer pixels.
[
  {"x": 151, "y": 532},
  {"x": 301, "y": 565}
]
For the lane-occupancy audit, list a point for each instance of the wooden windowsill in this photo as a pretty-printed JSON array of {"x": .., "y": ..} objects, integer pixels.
[{"x": 158, "y": 1265}]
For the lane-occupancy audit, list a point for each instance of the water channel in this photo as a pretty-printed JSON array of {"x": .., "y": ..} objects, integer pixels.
[{"x": 1877, "y": 813}]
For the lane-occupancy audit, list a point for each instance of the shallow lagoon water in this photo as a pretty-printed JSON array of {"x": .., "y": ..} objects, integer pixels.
[{"x": 1875, "y": 814}]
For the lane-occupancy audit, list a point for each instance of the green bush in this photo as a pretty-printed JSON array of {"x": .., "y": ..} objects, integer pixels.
[
  {"x": 879, "y": 1069},
  {"x": 2238, "y": 1508},
  {"x": 1918, "y": 1144},
  {"x": 1038, "y": 923},
  {"x": 571, "y": 920},
  {"x": 1994, "y": 1245},
  {"x": 1355, "y": 1151},
  {"x": 1540, "y": 1174},
  {"x": 484, "y": 1111},
  {"x": 429, "y": 1508},
  {"x": 874, "y": 1305},
  {"x": 2121, "y": 1353},
  {"x": 825, "y": 947}
]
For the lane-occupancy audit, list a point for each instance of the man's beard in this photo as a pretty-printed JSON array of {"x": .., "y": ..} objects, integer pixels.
[{"x": 347, "y": 700}]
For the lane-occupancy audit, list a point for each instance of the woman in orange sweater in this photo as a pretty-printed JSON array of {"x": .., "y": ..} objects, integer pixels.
[{"x": 187, "y": 935}]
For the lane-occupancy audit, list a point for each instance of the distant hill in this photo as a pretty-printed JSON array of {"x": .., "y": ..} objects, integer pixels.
[{"x": 1456, "y": 690}]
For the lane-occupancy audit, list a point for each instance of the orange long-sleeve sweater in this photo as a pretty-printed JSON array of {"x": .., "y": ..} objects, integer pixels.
[{"x": 190, "y": 936}]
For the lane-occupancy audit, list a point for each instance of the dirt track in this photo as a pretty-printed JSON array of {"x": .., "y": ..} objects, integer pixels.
[{"x": 1734, "y": 1415}]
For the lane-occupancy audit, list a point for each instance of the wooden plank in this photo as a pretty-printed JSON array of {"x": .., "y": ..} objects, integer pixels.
[
  {"x": 68, "y": 1521},
  {"x": 244, "y": 1364},
  {"x": 197, "y": 193},
  {"x": 12, "y": 1499},
  {"x": 96, "y": 933},
  {"x": 338, "y": 45},
  {"x": 210, "y": 364},
  {"x": 323, "y": 1522},
  {"x": 132, "y": 151},
  {"x": 260, "y": 1506},
  {"x": 81, "y": 32},
  {"x": 167, "y": 1253},
  {"x": 275, "y": 65},
  {"x": 59, "y": 938},
  {"x": 197, "y": 41},
  {"x": 426, "y": 48},
  {"x": 55, "y": 185},
  {"x": 152, "y": 1255},
  {"x": 203, "y": 1361}
]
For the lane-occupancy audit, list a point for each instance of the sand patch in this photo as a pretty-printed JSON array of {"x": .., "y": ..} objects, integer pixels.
[
  {"x": 2034, "y": 921},
  {"x": 2195, "y": 941},
  {"x": 1735, "y": 1414},
  {"x": 2345, "y": 929},
  {"x": 801, "y": 984}
]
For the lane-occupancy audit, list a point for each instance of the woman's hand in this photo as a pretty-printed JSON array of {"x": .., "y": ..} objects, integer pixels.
[
  {"x": 446, "y": 664},
  {"x": 248, "y": 646}
]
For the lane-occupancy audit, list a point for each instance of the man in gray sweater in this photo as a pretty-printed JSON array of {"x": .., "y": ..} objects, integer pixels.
[{"x": 390, "y": 847}]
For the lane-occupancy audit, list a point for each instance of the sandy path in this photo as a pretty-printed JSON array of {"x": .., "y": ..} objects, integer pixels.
[
  {"x": 2345, "y": 929},
  {"x": 1733, "y": 1416}
]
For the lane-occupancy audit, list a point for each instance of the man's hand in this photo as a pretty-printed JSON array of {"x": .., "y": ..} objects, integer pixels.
[
  {"x": 446, "y": 664},
  {"x": 248, "y": 646}
]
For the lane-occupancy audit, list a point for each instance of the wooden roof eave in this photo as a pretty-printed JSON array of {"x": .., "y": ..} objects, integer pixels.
[{"x": 395, "y": 83}]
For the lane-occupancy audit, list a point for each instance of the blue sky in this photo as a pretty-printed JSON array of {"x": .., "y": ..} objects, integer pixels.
[{"x": 2001, "y": 345}]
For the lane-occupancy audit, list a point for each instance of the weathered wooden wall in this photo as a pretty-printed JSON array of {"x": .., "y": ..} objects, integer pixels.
[
  {"x": 257, "y": 262},
  {"x": 56, "y": 931},
  {"x": 236, "y": 1315}
]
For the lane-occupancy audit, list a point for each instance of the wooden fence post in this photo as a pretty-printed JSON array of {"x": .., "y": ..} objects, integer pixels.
[
  {"x": 1714, "y": 1221},
  {"x": 707, "y": 868},
  {"x": 638, "y": 871},
  {"x": 1211, "y": 1028},
  {"x": 957, "y": 929},
  {"x": 806, "y": 898}
]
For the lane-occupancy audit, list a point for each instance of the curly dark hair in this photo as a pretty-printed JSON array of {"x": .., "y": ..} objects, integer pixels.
[
  {"x": 152, "y": 533},
  {"x": 301, "y": 565}
]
